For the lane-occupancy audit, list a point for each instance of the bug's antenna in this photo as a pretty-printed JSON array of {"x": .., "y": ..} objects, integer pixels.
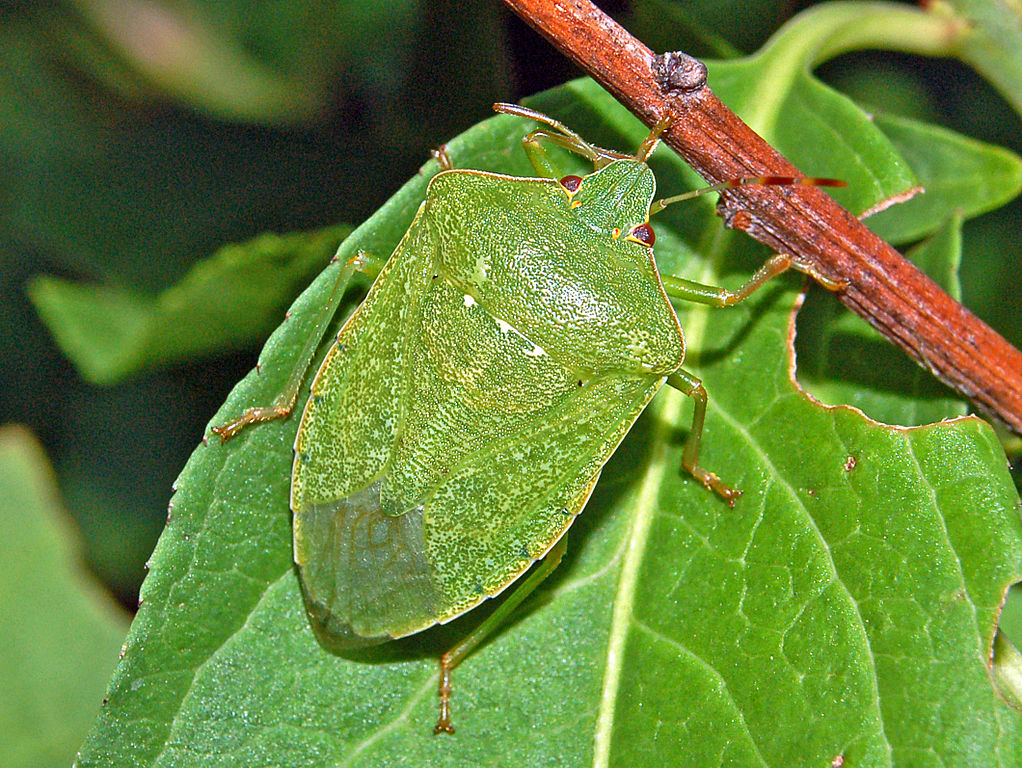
[
  {"x": 564, "y": 136},
  {"x": 780, "y": 181}
]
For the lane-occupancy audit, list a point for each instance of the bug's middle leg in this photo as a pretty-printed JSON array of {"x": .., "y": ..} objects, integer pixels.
[
  {"x": 700, "y": 293},
  {"x": 689, "y": 385}
]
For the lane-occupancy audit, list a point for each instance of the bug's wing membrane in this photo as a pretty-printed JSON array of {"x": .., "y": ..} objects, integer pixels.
[
  {"x": 364, "y": 573},
  {"x": 364, "y": 576},
  {"x": 475, "y": 523}
]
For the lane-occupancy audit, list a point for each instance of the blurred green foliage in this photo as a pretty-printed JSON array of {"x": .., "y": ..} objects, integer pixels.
[
  {"x": 61, "y": 629},
  {"x": 137, "y": 138}
]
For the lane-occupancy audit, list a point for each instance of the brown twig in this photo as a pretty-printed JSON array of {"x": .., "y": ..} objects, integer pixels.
[{"x": 882, "y": 287}]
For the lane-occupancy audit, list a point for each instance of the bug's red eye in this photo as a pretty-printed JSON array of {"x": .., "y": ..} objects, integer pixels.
[
  {"x": 571, "y": 183},
  {"x": 643, "y": 234}
]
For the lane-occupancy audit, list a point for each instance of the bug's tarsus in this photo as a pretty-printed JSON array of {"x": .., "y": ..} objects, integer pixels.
[
  {"x": 715, "y": 296},
  {"x": 442, "y": 157},
  {"x": 253, "y": 416},
  {"x": 689, "y": 385},
  {"x": 443, "y": 723},
  {"x": 835, "y": 284},
  {"x": 649, "y": 144},
  {"x": 772, "y": 267},
  {"x": 453, "y": 657}
]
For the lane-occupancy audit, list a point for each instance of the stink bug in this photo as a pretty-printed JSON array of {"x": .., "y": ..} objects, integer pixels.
[{"x": 461, "y": 420}]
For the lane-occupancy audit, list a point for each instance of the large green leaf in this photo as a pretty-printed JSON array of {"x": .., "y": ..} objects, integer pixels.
[
  {"x": 845, "y": 607},
  {"x": 59, "y": 632}
]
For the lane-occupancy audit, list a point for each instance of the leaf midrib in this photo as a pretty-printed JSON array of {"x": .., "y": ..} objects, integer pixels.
[{"x": 669, "y": 409}]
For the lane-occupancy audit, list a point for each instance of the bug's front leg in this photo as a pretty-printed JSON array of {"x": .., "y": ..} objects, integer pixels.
[
  {"x": 689, "y": 385},
  {"x": 284, "y": 402},
  {"x": 541, "y": 161}
]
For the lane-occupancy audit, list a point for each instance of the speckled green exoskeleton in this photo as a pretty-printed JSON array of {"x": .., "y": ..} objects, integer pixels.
[{"x": 458, "y": 425}]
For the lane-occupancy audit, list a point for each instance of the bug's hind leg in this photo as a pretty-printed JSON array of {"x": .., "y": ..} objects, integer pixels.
[
  {"x": 689, "y": 385},
  {"x": 453, "y": 657}
]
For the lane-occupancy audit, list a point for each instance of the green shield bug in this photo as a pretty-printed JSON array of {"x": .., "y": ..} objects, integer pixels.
[{"x": 461, "y": 420}]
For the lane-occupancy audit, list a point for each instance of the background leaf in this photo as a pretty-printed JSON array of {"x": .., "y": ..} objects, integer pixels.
[
  {"x": 959, "y": 176},
  {"x": 841, "y": 359},
  {"x": 60, "y": 631},
  {"x": 846, "y": 606},
  {"x": 233, "y": 299},
  {"x": 993, "y": 44}
]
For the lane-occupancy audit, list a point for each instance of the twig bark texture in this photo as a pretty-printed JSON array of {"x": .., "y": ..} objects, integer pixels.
[{"x": 880, "y": 285}]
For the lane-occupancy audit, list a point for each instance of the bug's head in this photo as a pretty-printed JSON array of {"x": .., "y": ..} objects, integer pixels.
[{"x": 615, "y": 199}]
